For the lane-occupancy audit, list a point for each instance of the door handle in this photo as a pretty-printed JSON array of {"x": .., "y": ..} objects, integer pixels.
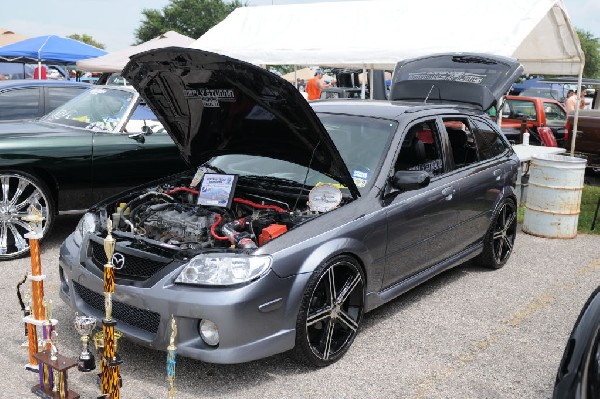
[{"x": 448, "y": 192}]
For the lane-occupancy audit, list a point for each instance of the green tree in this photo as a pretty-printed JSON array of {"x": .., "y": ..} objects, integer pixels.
[
  {"x": 87, "y": 39},
  {"x": 590, "y": 47},
  {"x": 187, "y": 17}
]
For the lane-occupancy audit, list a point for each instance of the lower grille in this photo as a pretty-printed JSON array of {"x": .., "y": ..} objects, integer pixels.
[{"x": 135, "y": 317}]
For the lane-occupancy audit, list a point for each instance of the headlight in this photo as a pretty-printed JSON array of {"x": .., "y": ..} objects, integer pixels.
[
  {"x": 87, "y": 224},
  {"x": 223, "y": 269}
]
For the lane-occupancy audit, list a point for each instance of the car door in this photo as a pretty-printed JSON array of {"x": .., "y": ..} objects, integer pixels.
[
  {"x": 120, "y": 162},
  {"x": 421, "y": 222},
  {"x": 479, "y": 170}
]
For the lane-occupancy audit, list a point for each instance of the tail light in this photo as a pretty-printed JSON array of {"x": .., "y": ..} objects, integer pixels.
[{"x": 567, "y": 130}]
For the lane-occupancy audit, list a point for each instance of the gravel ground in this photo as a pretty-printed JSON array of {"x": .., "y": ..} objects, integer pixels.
[{"x": 468, "y": 333}]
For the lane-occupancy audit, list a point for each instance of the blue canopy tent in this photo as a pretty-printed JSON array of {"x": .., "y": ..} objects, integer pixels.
[{"x": 48, "y": 49}]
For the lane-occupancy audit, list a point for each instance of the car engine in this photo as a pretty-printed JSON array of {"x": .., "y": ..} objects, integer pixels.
[{"x": 169, "y": 216}]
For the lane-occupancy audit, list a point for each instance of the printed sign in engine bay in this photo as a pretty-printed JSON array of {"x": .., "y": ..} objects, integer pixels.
[{"x": 210, "y": 97}]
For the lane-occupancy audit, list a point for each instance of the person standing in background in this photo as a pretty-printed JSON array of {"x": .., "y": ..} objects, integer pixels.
[
  {"x": 40, "y": 72},
  {"x": 571, "y": 101},
  {"x": 315, "y": 86}
]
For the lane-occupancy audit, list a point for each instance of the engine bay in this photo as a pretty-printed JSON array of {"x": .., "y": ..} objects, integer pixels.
[{"x": 169, "y": 215}]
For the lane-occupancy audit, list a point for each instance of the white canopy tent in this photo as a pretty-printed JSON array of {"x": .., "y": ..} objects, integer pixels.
[
  {"x": 115, "y": 61},
  {"x": 377, "y": 34}
]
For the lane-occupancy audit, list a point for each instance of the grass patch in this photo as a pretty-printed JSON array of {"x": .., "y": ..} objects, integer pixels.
[{"x": 589, "y": 201}]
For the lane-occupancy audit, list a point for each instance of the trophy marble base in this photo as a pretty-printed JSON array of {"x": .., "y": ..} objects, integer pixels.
[
  {"x": 60, "y": 365},
  {"x": 46, "y": 394}
]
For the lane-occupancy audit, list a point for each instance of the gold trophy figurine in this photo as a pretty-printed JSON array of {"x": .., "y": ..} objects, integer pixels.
[
  {"x": 109, "y": 363},
  {"x": 171, "y": 353}
]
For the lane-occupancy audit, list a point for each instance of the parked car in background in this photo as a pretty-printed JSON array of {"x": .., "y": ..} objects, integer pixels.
[
  {"x": 531, "y": 113},
  {"x": 33, "y": 98},
  {"x": 95, "y": 145},
  {"x": 587, "y": 142},
  {"x": 578, "y": 375},
  {"x": 300, "y": 217}
]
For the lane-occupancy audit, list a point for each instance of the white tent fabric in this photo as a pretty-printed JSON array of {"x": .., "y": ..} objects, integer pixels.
[
  {"x": 379, "y": 33},
  {"x": 115, "y": 61}
]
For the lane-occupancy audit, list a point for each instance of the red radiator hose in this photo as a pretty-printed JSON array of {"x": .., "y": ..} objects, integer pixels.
[
  {"x": 175, "y": 190},
  {"x": 215, "y": 224},
  {"x": 258, "y": 206}
]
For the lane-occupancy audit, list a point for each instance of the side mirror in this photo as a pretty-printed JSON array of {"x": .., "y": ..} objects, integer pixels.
[
  {"x": 147, "y": 130},
  {"x": 139, "y": 137},
  {"x": 406, "y": 180}
]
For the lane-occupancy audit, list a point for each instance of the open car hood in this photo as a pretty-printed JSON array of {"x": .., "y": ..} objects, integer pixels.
[
  {"x": 214, "y": 105},
  {"x": 464, "y": 78}
]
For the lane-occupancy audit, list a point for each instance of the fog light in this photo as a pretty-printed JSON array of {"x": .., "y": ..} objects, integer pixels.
[{"x": 209, "y": 332}]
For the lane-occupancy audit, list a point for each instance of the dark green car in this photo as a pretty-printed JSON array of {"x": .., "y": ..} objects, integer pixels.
[{"x": 99, "y": 143}]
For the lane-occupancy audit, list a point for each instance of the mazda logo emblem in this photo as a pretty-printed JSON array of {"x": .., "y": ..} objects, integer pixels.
[{"x": 118, "y": 260}]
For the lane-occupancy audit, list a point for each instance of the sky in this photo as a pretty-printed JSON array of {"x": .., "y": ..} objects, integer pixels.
[{"x": 113, "y": 22}]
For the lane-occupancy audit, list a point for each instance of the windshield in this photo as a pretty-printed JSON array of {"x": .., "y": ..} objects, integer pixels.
[
  {"x": 95, "y": 109},
  {"x": 361, "y": 141}
]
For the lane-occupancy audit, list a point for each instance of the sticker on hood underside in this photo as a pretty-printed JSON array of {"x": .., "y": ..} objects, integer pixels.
[{"x": 211, "y": 97}]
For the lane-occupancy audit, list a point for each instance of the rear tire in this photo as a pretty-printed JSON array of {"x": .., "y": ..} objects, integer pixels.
[
  {"x": 500, "y": 239},
  {"x": 18, "y": 191},
  {"x": 330, "y": 313}
]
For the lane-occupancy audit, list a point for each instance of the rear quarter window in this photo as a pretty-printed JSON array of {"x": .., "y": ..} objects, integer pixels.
[{"x": 489, "y": 142}]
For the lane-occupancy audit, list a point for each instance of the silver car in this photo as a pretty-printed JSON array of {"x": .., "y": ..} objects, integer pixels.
[{"x": 296, "y": 219}]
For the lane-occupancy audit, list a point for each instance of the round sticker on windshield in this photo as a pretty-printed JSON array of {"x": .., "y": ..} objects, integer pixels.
[
  {"x": 324, "y": 198},
  {"x": 360, "y": 178}
]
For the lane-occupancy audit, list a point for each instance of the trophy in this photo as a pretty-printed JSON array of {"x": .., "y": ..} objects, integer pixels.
[
  {"x": 110, "y": 383},
  {"x": 84, "y": 326},
  {"x": 171, "y": 353},
  {"x": 36, "y": 317},
  {"x": 51, "y": 361}
]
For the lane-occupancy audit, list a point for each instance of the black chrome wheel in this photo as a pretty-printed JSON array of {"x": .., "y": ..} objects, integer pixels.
[
  {"x": 18, "y": 191},
  {"x": 500, "y": 240},
  {"x": 331, "y": 312}
]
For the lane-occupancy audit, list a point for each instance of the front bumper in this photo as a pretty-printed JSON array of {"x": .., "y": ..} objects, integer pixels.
[{"x": 254, "y": 321}]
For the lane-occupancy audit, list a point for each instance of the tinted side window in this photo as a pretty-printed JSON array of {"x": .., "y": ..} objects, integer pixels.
[
  {"x": 421, "y": 149},
  {"x": 20, "y": 103},
  {"x": 462, "y": 141},
  {"x": 489, "y": 142},
  {"x": 57, "y": 96}
]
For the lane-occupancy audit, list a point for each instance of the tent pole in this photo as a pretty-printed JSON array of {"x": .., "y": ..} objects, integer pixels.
[
  {"x": 296, "y": 76},
  {"x": 576, "y": 116},
  {"x": 371, "y": 79},
  {"x": 363, "y": 89},
  {"x": 39, "y": 69}
]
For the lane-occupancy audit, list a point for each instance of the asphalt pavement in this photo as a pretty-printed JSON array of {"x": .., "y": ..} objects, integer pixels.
[{"x": 468, "y": 333}]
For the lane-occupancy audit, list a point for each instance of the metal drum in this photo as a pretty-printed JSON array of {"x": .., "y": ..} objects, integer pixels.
[{"x": 554, "y": 196}]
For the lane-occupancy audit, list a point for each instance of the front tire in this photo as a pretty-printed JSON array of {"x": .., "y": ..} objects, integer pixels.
[
  {"x": 18, "y": 191},
  {"x": 500, "y": 239},
  {"x": 331, "y": 311}
]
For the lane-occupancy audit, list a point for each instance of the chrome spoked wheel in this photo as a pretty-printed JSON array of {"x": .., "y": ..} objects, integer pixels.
[
  {"x": 17, "y": 193},
  {"x": 505, "y": 230},
  {"x": 334, "y": 311}
]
